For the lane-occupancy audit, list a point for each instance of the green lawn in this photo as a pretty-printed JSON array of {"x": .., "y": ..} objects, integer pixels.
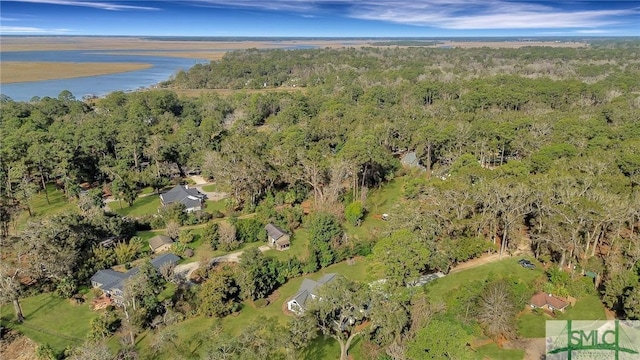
[
  {"x": 503, "y": 268},
  {"x": 492, "y": 351},
  {"x": 211, "y": 206},
  {"x": 146, "y": 235},
  {"x": 215, "y": 188},
  {"x": 298, "y": 248},
  {"x": 58, "y": 203},
  {"x": 379, "y": 201},
  {"x": 145, "y": 205},
  {"x": 587, "y": 308},
  {"x": 147, "y": 190},
  {"x": 532, "y": 325},
  {"x": 384, "y": 199},
  {"x": 52, "y": 320}
]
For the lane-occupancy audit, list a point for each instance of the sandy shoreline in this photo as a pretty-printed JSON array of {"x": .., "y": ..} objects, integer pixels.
[
  {"x": 36, "y": 43},
  {"x": 14, "y": 72},
  {"x": 114, "y": 43}
]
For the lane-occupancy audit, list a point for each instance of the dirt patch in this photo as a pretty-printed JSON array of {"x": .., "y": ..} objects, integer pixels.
[
  {"x": 485, "y": 259},
  {"x": 13, "y": 71},
  {"x": 534, "y": 348},
  {"x": 273, "y": 297},
  {"x": 17, "y": 347}
]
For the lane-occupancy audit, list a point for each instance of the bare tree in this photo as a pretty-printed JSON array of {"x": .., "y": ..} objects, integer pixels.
[
  {"x": 173, "y": 230},
  {"x": 91, "y": 350},
  {"x": 227, "y": 233},
  {"x": 496, "y": 312},
  {"x": 10, "y": 289}
]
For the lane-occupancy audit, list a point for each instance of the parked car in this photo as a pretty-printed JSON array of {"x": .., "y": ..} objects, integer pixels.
[{"x": 526, "y": 264}]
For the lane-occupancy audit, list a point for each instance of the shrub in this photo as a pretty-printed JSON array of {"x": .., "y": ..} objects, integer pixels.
[
  {"x": 250, "y": 230},
  {"x": 260, "y": 303},
  {"x": 354, "y": 213},
  {"x": 217, "y": 214},
  {"x": 66, "y": 287}
]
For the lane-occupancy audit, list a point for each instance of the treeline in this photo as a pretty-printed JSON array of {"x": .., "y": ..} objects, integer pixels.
[
  {"x": 530, "y": 148},
  {"x": 614, "y": 66}
]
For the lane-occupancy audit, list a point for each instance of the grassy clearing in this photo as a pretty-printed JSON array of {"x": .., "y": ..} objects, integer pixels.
[
  {"x": 507, "y": 267},
  {"x": 145, "y": 205},
  {"x": 298, "y": 249},
  {"x": 492, "y": 351},
  {"x": 532, "y": 325},
  {"x": 146, "y": 235},
  {"x": 13, "y": 72},
  {"x": 57, "y": 204},
  {"x": 52, "y": 320},
  {"x": 587, "y": 308},
  {"x": 211, "y": 206},
  {"x": 215, "y": 188},
  {"x": 385, "y": 199}
]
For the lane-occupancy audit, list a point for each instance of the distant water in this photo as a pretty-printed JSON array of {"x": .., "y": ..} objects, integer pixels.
[{"x": 162, "y": 69}]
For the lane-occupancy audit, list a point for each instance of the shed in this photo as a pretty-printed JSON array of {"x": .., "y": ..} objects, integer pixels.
[
  {"x": 277, "y": 238},
  {"x": 160, "y": 243}
]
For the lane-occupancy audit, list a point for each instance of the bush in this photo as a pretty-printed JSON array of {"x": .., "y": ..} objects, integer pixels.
[
  {"x": 249, "y": 230},
  {"x": 46, "y": 352},
  {"x": 197, "y": 217},
  {"x": 260, "y": 303},
  {"x": 581, "y": 287},
  {"x": 354, "y": 213},
  {"x": 66, "y": 287},
  {"x": 217, "y": 214}
]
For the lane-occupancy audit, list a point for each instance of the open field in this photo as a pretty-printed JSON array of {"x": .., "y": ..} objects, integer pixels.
[
  {"x": 13, "y": 72},
  {"x": 52, "y": 320},
  {"x": 35, "y": 43},
  {"x": 131, "y": 43}
]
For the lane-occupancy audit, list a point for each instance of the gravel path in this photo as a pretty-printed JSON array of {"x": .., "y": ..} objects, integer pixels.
[
  {"x": 185, "y": 270},
  {"x": 211, "y": 195}
]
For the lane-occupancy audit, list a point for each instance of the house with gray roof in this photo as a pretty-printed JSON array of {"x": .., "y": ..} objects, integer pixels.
[
  {"x": 308, "y": 290},
  {"x": 112, "y": 282},
  {"x": 191, "y": 198},
  {"x": 277, "y": 238},
  {"x": 411, "y": 160}
]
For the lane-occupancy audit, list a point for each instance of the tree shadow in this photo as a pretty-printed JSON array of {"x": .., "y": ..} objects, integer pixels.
[{"x": 321, "y": 347}]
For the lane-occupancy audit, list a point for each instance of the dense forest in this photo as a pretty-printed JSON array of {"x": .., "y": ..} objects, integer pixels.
[{"x": 532, "y": 149}]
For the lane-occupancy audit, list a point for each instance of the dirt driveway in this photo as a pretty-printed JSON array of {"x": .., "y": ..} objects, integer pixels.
[
  {"x": 484, "y": 259},
  {"x": 184, "y": 271},
  {"x": 211, "y": 195}
]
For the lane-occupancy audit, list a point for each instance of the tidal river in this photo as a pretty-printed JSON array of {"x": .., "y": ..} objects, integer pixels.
[{"x": 162, "y": 69}]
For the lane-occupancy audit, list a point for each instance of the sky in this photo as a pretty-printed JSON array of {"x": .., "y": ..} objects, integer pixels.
[{"x": 321, "y": 18}]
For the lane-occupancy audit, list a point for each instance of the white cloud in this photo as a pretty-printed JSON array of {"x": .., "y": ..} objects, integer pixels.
[
  {"x": 593, "y": 31},
  {"x": 30, "y": 30},
  {"x": 492, "y": 14},
  {"x": 92, "y": 4},
  {"x": 446, "y": 14}
]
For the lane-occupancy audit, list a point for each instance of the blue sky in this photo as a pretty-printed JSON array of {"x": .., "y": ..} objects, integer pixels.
[{"x": 321, "y": 18}]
